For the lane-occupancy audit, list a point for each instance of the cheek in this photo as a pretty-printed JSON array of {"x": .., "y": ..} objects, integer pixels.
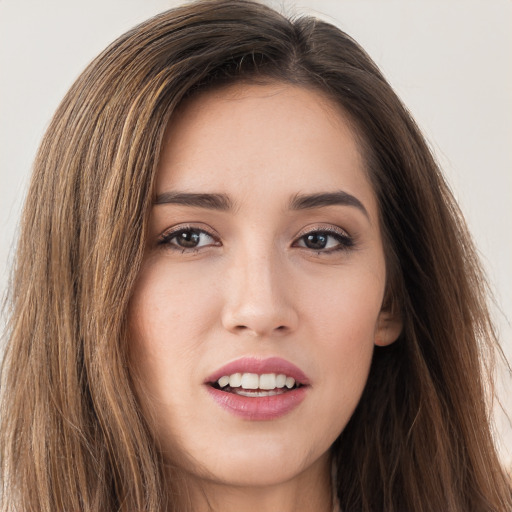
[
  {"x": 343, "y": 322},
  {"x": 345, "y": 341},
  {"x": 169, "y": 304},
  {"x": 169, "y": 316},
  {"x": 345, "y": 306}
]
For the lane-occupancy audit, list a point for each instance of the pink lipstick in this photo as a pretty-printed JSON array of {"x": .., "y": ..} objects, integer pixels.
[{"x": 258, "y": 389}]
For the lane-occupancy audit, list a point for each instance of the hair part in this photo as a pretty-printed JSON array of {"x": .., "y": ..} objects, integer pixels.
[{"x": 73, "y": 435}]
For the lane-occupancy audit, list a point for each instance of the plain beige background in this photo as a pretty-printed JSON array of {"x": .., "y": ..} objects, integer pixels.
[{"x": 450, "y": 61}]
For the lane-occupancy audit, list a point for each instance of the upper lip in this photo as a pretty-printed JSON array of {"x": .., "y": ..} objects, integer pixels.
[{"x": 260, "y": 366}]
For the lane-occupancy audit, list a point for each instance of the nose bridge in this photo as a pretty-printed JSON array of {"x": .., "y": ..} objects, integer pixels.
[{"x": 257, "y": 301}]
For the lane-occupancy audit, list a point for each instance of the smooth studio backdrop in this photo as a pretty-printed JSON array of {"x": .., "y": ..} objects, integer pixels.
[{"x": 450, "y": 62}]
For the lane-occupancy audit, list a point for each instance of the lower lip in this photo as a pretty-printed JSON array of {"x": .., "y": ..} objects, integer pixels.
[{"x": 258, "y": 408}]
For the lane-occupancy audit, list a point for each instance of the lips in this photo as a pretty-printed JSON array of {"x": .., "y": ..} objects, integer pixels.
[
  {"x": 258, "y": 389},
  {"x": 274, "y": 365}
]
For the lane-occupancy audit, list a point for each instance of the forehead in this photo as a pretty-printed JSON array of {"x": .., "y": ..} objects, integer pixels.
[{"x": 245, "y": 138}]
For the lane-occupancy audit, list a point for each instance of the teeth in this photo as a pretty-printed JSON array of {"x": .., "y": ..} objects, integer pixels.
[
  {"x": 253, "y": 394},
  {"x": 251, "y": 381},
  {"x": 267, "y": 381},
  {"x": 223, "y": 381},
  {"x": 235, "y": 380},
  {"x": 280, "y": 380},
  {"x": 290, "y": 382}
]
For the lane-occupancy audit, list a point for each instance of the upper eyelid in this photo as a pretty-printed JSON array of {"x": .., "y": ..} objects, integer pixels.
[
  {"x": 165, "y": 240},
  {"x": 322, "y": 228},
  {"x": 344, "y": 239},
  {"x": 167, "y": 233},
  {"x": 192, "y": 227}
]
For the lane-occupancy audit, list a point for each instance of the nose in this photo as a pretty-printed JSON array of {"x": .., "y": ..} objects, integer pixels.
[{"x": 259, "y": 297}]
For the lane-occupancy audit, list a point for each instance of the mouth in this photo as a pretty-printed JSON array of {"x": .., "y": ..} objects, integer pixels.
[
  {"x": 256, "y": 385},
  {"x": 258, "y": 389}
]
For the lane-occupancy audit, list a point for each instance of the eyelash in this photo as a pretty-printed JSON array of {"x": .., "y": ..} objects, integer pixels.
[
  {"x": 167, "y": 237},
  {"x": 344, "y": 241}
]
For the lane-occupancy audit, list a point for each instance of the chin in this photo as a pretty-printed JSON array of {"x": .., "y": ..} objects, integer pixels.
[{"x": 255, "y": 460}]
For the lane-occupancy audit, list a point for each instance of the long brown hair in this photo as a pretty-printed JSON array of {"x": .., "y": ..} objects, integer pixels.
[{"x": 72, "y": 435}]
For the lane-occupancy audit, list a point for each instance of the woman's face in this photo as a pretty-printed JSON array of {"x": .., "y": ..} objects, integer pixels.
[{"x": 255, "y": 314}]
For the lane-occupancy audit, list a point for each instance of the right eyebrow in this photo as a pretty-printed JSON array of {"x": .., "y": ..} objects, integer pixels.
[{"x": 209, "y": 201}]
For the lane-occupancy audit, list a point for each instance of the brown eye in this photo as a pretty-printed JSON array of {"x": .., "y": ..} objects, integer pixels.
[
  {"x": 326, "y": 241},
  {"x": 316, "y": 240},
  {"x": 187, "y": 239}
]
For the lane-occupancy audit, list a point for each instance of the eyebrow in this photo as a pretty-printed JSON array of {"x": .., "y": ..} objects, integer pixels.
[
  {"x": 223, "y": 202},
  {"x": 208, "y": 201},
  {"x": 310, "y": 201}
]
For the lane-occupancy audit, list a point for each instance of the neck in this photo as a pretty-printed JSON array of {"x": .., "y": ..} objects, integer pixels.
[{"x": 309, "y": 490}]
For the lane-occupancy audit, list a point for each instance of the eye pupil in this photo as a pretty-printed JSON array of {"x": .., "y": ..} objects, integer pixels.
[
  {"x": 187, "y": 239},
  {"x": 316, "y": 240}
]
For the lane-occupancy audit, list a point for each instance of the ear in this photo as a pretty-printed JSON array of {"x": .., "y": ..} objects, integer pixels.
[{"x": 388, "y": 328}]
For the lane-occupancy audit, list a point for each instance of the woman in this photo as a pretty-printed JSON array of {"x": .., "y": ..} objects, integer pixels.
[{"x": 242, "y": 283}]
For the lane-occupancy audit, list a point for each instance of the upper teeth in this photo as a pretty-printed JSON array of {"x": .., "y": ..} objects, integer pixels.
[{"x": 255, "y": 381}]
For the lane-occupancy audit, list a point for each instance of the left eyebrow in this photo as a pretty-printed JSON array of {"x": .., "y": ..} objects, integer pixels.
[{"x": 309, "y": 201}]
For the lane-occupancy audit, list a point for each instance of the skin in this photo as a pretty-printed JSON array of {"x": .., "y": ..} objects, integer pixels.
[{"x": 253, "y": 287}]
